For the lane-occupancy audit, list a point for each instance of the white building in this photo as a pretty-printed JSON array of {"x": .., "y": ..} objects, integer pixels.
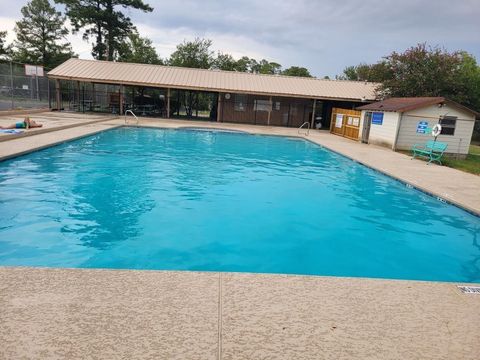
[{"x": 400, "y": 123}]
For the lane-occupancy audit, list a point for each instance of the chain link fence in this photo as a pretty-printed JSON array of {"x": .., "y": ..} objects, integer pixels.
[{"x": 23, "y": 86}]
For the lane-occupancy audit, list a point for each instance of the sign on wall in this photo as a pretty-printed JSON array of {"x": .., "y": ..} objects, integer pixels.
[
  {"x": 422, "y": 127},
  {"x": 339, "y": 121},
  {"x": 377, "y": 118}
]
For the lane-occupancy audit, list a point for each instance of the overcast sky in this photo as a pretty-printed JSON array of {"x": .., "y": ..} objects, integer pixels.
[{"x": 323, "y": 35}]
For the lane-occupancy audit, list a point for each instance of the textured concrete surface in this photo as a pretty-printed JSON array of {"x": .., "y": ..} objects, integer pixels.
[
  {"x": 108, "y": 314},
  {"x": 19, "y": 146},
  {"x": 95, "y": 314},
  {"x": 291, "y": 317}
]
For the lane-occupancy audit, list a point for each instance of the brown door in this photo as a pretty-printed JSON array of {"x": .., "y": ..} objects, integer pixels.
[{"x": 345, "y": 122}]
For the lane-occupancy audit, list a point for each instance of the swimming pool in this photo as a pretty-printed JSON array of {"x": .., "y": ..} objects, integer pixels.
[{"x": 136, "y": 198}]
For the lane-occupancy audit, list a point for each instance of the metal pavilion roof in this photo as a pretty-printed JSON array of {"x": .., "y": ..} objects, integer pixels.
[{"x": 212, "y": 80}]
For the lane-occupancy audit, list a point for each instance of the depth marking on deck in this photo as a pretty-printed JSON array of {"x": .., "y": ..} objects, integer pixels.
[{"x": 470, "y": 289}]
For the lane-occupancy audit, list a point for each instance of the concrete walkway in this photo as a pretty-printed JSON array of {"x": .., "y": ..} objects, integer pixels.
[
  {"x": 103, "y": 314},
  {"x": 51, "y": 121}
]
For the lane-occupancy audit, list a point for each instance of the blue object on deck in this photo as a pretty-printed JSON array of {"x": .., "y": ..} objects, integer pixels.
[
  {"x": 137, "y": 198},
  {"x": 10, "y": 131}
]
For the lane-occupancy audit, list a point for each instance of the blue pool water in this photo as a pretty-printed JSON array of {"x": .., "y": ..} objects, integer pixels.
[{"x": 194, "y": 200}]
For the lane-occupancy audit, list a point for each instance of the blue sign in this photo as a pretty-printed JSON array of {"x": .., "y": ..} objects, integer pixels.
[
  {"x": 422, "y": 127},
  {"x": 377, "y": 118}
]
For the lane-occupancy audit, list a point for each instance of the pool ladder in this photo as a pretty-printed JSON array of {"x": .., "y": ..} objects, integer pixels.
[
  {"x": 302, "y": 127},
  {"x": 131, "y": 112}
]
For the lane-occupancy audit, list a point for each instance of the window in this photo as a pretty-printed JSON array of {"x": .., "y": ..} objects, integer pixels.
[
  {"x": 448, "y": 125},
  {"x": 240, "y": 102},
  {"x": 262, "y": 105}
]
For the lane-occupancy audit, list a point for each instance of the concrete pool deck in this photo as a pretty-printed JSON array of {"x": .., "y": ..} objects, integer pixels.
[
  {"x": 78, "y": 313},
  {"x": 116, "y": 314}
]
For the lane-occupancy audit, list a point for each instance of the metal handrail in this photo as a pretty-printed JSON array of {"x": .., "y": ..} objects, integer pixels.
[
  {"x": 131, "y": 112},
  {"x": 308, "y": 127}
]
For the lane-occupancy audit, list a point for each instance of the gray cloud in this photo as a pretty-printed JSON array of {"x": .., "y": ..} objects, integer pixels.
[{"x": 324, "y": 36}]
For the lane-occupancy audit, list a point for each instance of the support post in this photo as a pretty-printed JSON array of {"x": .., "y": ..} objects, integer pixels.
[
  {"x": 36, "y": 83},
  {"x": 94, "y": 97},
  {"x": 312, "y": 123},
  {"x": 270, "y": 111},
  {"x": 289, "y": 112},
  {"x": 120, "y": 110},
  {"x": 77, "y": 95},
  {"x": 48, "y": 94},
  {"x": 168, "y": 103},
  {"x": 11, "y": 84},
  {"x": 57, "y": 95},
  {"x": 219, "y": 107}
]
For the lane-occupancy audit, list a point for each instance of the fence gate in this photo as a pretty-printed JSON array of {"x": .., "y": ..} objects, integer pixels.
[{"x": 345, "y": 122}]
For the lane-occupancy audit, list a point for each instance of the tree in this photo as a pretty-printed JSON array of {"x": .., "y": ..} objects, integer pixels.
[
  {"x": 4, "y": 48},
  {"x": 103, "y": 21},
  {"x": 296, "y": 71},
  {"x": 421, "y": 70},
  {"x": 243, "y": 64},
  {"x": 224, "y": 62},
  {"x": 424, "y": 71},
  {"x": 267, "y": 67},
  {"x": 469, "y": 80},
  {"x": 193, "y": 54},
  {"x": 41, "y": 35},
  {"x": 363, "y": 72},
  {"x": 137, "y": 49}
]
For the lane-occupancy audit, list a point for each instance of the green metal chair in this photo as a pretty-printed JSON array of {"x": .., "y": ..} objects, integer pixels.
[{"x": 432, "y": 150}]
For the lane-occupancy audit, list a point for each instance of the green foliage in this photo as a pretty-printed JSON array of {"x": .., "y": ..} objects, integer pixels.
[
  {"x": 5, "y": 50},
  {"x": 197, "y": 54},
  {"x": 103, "y": 21},
  {"x": 469, "y": 82},
  {"x": 193, "y": 54},
  {"x": 296, "y": 71},
  {"x": 470, "y": 164},
  {"x": 41, "y": 36},
  {"x": 424, "y": 71},
  {"x": 224, "y": 62},
  {"x": 364, "y": 72},
  {"x": 267, "y": 67},
  {"x": 137, "y": 49}
]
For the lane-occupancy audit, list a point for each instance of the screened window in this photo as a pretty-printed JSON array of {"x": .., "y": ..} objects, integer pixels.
[
  {"x": 240, "y": 102},
  {"x": 262, "y": 105},
  {"x": 448, "y": 125}
]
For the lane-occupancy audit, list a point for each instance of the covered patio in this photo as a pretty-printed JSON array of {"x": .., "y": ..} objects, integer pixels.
[{"x": 184, "y": 93}]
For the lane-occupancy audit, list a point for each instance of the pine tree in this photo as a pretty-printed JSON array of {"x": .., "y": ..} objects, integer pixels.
[
  {"x": 103, "y": 21},
  {"x": 5, "y": 49},
  {"x": 41, "y": 36}
]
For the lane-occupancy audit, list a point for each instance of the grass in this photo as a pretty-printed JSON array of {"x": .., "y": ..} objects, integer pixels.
[{"x": 470, "y": 164}]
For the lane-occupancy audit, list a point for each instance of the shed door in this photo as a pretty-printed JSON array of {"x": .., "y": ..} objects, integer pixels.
[
  {"x": 345, "y": 122},
  {"x": 367, "y": 121}
]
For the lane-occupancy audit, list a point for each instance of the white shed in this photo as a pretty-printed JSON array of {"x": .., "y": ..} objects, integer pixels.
[{"x": 400, "y": 123}]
